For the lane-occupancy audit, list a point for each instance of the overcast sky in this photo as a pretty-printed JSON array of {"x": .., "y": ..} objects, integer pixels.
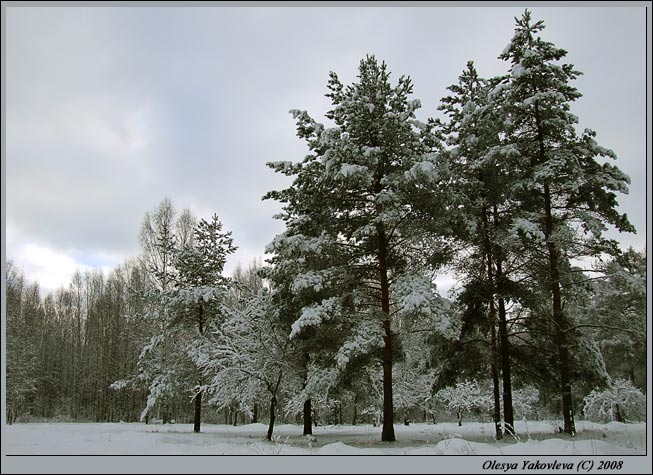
[{"x": 111, "y": 109}]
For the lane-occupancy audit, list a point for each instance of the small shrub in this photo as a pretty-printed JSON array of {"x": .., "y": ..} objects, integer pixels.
[{"x": 621, "y": 402}]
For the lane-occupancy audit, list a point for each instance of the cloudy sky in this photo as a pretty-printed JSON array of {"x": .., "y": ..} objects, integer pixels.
[{"x": 110, "y": 109}]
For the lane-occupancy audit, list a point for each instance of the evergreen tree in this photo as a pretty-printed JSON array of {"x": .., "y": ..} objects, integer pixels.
[
  {"x": 482, "y": 212},
  {"x": 567, "y": 197},
  {"x": 356, "y": 187},
  {"x": 161, "y": 365},
  {"x": 200, "y": 288}
]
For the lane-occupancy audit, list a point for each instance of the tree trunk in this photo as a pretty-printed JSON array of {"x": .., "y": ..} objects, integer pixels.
[
  {"x": 508, "y": 413},
  {"x": 559, "y": 320},
  {"x": 504, "y": 347},
  {"x": 273, "y": 406},
  {"x": 493, "y": 339},
  {"x": 353, "y": 420},
  {"x": 554, "y": 280},
  {"x": 495, "y": 378},
  {"x": 388, "y": 432},
  {"x": 198, "y": 411},
  {"x": 198, "y": 397},
  {"x": 460, "y": 418},
  {"x": 255, "y": 414},
  {"x": 166, "y": 412},
  {"x": 308, "y": 423}
]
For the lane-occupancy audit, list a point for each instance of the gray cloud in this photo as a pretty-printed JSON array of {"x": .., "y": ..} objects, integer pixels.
[{"x": 110, "y": 109}]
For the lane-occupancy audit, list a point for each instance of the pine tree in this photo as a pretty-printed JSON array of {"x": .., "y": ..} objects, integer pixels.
[
  {"x": 479, "y": 165},
  {"x": 356, "y": 189},
  {"x": 200, "y": 287},
  {"x": 161, "y": 365},
  {"x": 566, "y": 195}
]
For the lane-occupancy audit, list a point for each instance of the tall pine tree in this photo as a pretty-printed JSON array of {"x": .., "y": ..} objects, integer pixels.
[
  {"x": 566, "y": 195},
  {"x": 359, "y": 185}
]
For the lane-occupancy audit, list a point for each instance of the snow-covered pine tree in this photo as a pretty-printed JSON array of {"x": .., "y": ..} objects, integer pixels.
[
  {"x": 161, "y": 366},
  {"x": 566, "y": 195},
  {"x": 296, "y": 266},
  {"x": 287, "y": 298},
  {"x": 357, "y": 187},
  {"x": 482, "y": 211},
  {"x": 199, "y": 290}
]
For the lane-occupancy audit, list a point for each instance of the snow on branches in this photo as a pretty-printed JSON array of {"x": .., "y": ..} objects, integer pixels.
[{"x": 622, "y": 401}]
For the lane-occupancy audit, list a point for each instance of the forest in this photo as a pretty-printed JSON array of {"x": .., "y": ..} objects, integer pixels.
[{"x": 342, "y": 323}]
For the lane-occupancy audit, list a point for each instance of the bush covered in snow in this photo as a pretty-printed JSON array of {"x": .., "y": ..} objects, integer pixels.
[
  {"x": 621, "y": 402},
  {"x": 464, "y": 396},
  {"x": 524, "y": 401}
]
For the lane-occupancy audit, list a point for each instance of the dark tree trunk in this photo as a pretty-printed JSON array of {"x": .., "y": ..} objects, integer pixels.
[
  {"x": 273, "y": 407},
  {"x": 166, "y": 412},
  {"x": 198, "y": 411},
  {"x": 554, "y": 279},
  {"x": 255, "y": 414},
  {"x": 493, "y": 339},
  {"x": 388, "y": 432},
  {"x": 273, "y": 404},
  {"x": 495, "y": 378},
  {"x": 631, "y": 374},
  {"x": 460, "y": 418},
  {"x": 353, "y": 420},
  {"x": 504, "y": 346},
  {"x": 559, "y": 320},
  {"x": 308, "y": 423},
  {"x": 508, "y": 413},
  {"x": 198, "y": 397}
]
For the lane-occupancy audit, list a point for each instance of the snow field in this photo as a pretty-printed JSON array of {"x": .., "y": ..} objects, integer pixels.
[{"x": 473, "y": 438}]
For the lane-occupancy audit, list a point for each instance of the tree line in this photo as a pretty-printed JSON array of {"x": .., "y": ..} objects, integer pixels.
[{"x": 345, "y": 317}]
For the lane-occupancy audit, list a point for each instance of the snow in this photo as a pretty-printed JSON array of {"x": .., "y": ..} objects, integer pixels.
[
  {"x": 472, "y": 438},
  {"x": 315, "y": 314},
  {"x": 367, "y": 338},
  {"x": 528, "y": 228},
  {"x": 498, "y": 89},
  {"x": 308, "y": 280},
  {"x": 518, "y": 70},
  {"x": 348, "y": 169}
]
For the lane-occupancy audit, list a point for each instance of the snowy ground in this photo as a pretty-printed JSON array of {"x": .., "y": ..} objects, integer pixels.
[{"x": 535, "y": 438}]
